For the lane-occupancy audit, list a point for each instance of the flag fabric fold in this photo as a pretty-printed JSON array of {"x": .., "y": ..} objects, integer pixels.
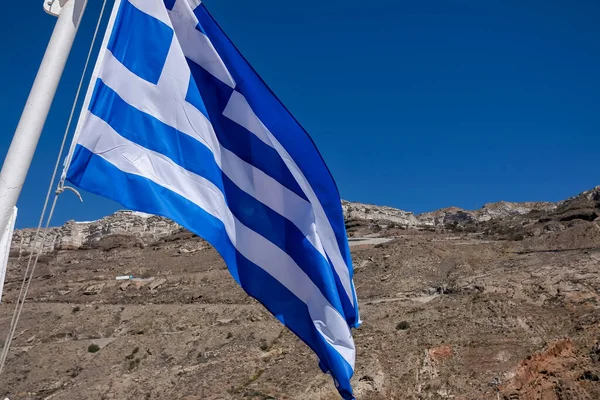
[{"x": 177, "y": 123}]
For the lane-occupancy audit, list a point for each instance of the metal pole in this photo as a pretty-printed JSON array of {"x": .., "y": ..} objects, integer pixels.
[{"x": 26, "y": 138}]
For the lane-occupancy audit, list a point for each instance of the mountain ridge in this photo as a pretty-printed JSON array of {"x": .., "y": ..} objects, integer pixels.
[{"x": 142, "y": 228}]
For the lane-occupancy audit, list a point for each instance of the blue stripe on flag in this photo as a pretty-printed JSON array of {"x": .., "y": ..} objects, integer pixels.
[
  {"x": 140, "y": 42},
  {"x": 92, "y": 173},
  {"x": 236, "y": 138},
  {"x": 169, "y": 4},
  {"x": 199, "y": 28},
  {"x": 193, "y": 97},
  {"x": 350, "y": 312}
]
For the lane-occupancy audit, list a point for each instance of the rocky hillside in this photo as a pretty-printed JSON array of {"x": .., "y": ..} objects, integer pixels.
[
  {"x": 144, "y": 229},
  {"x": 465, "y": 308},
  {"x": 488, "y": 212},
  {"x": 498, "y": 303}
]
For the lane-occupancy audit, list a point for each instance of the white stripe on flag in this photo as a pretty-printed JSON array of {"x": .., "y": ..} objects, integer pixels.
[
  {"x": 196, "y": 46},
  {"x": 154, "y": 8}
]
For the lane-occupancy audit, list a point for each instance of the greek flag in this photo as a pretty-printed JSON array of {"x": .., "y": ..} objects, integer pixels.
[{"x": 177, "y": 123}]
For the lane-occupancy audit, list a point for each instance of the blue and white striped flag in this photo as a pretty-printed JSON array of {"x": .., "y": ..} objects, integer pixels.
[{"x": 176, "y": 123}]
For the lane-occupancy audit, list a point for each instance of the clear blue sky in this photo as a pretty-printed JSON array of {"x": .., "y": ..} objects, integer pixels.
[{"x": 417, "y": 105}]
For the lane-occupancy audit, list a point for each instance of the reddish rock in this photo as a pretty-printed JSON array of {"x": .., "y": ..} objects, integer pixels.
[{"x": 441, "y": 353}]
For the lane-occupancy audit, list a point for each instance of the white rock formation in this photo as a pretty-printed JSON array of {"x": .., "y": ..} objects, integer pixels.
[
  {"x": 73, "y": 235},
  {"x": 504, "y": 209},
  {"x": 375, "y": 213},
  {"x": 490, "y": 211},
  {"x": 445, "y": 216}
]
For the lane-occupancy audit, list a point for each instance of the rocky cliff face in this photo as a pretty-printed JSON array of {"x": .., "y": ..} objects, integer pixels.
[
  {"x": 489, "y": 212},
  {"x": 505, "y": 209},
  {"x": 139, "y": 227},
  {"x": 369, "y": 212},
  {"x": 445, "y": 216},
  {"x": 144, "y": 228}
]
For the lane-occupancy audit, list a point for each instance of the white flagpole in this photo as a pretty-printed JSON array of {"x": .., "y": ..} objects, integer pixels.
[{"x": 26, "y": 138}]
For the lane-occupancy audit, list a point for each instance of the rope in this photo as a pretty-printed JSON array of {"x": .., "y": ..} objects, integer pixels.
[{"x": 38, "y": 247}]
